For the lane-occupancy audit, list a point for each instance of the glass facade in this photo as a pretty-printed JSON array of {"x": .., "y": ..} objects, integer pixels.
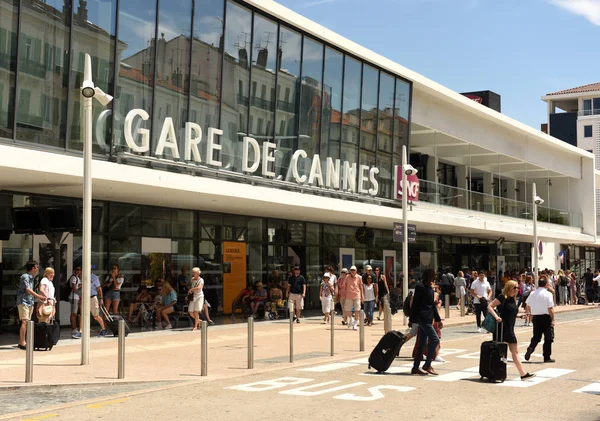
[
  {"x": 216, "y": 63},
  {"x": 128, "y": 233}
]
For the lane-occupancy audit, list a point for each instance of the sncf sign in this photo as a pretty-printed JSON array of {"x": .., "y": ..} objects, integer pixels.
[{"x": 413, "y": 185}]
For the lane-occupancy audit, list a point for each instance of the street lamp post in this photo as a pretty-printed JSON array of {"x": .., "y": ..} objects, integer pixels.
[
  {"x": 88, "y": 90},
  {"x": 407, "y": 170},
  {"x": 536, "y": 201}
]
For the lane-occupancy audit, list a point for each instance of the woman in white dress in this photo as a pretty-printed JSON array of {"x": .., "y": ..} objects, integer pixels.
[
  {"x": 46, "y": 309},
  {"x": 460, "y": 285}
]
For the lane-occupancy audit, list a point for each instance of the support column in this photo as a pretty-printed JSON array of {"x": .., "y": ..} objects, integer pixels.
[
  {"x": 462, "y": 183},
  {"x": 551, "y": 110}
]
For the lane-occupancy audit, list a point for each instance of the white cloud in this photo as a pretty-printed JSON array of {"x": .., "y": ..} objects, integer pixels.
[{"x": 590, "y": 9}]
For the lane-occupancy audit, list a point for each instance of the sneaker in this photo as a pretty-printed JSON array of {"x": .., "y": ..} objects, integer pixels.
[
  {"x": 527, "y": 376},
  {"x": 102, "y": 333},
  {"x": 528, "y": 354},
  {"x": 76, "y": 334},
  {"x": 354, "y": 327},
  {"x": 343, "y": 322},
  {"x": 439, "y": 359},
  {"x": 549, "y": 360},
  {"x": 167, "y": 327},
  {"x": 478, "y": 330}
]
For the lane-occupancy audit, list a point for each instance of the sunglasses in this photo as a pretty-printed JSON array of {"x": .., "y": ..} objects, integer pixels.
[{"x": 515, "y": 288}]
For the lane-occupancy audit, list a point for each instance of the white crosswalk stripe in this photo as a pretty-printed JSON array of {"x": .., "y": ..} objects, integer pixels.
[
  {"x": 328, "y": 367},
  {"x": 540, "y": 377},
  {"x": 467, "y": 373},
  {"x": 591, "y": 389}
]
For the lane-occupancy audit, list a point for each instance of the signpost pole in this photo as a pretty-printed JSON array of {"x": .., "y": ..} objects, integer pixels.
[{"x": 405, "y": 229}]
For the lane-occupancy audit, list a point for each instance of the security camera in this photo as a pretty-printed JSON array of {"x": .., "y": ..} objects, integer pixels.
[
  {"x": 87, "y": 89},
  {"x": 538, "y": 200},
  {"x": 103, "y": 98},
  {"x": 410, "y": 170}
]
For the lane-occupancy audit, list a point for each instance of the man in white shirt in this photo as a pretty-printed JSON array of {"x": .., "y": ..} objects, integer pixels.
[
  {"x": 482, "y": 293},
  {"x": 540, "y": 304}
]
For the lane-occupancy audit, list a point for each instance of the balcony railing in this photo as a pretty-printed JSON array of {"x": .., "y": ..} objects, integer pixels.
[
  {"x": 588, "y": 112},
  {"x": 441, "y": 194}
]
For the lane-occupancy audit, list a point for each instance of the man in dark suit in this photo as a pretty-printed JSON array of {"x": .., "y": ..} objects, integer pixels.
[{"x": 423, "y": 311}]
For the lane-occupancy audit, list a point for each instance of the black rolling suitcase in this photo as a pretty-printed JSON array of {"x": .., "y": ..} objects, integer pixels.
[
  {"x": 492, "y": 359},
  {"x": 113, "y": 322},
  {"x": 55, "y": 332},
  {"x": 386, "y": 350},
  {"x": 42, "y": 336}
]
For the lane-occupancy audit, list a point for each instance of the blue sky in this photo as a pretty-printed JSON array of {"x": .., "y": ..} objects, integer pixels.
[{"x": 521, "y": 49}]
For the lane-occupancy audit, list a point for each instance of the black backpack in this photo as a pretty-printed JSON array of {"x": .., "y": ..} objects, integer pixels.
[
  {"x": 564, "y": 281},
  {"x": 406, "y": 305}
]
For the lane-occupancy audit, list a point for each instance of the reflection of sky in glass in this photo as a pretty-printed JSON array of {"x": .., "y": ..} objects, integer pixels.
[
  {"x": 333, "y": 76},
  {"x": 265, "y": 36},
  {"x": 136, "y": 25},
  {"x": 386, "y": 93},
  {"x": 174, "y": 19},
  {"x": 312, "y": 63},
  {"x": 290, "y": 43},
  {"x": 402, "y": 97},
  {"x": 238, "y": 31},
  {"x": 102, "y": 14},
  {"x": 352, "y": 85},
  {"x": 369, "y": 93},
  {"x": 208, "y": 21}
]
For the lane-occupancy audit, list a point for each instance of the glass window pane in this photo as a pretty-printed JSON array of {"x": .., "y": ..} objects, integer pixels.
[
  {"x": 384, "y": 135},
  {"x": 93, "y": 33},
  {"x": 368, "y": 130},
  {"x": 332, "y": 104},
  {"x": 234, "y": 113},
  {"x": 210, "y": 262},
  {"x": 210, "y": 226},
  {"x": 262, "y": 88},
  {"x": 8, "y": 64},
  {"x": 156, "y": 222},
  {"x": 183, "y": 224},
  {"x": 256, "y": 229},
  {"x": 401, "y": 111},
  {"x": 136, "y": 57},
  {"x": 290, "y": 46},
  {"x": 43, "y": 72},
  {"x": 352, "y": 82},
  {"x": 172, "y": 70},
  {"x": 207, "y": 49},
  {"x": 125, "y": 219},
  {"x": 310, "y": 113}
]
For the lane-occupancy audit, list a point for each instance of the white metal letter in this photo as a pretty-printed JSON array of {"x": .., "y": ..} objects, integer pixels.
[
  {"x": 294, "y": 165},
  {"x": 144, "y": 133},
  {"x": 316, "y": 172},
  {"x": 212, "y": 146},
  {"x": 374, "y": 183},
  {"x": 350, "y": 176},
  {"x": 332, "y": 178},
  {"x": 167, "y": 139},
  {"x": 249, "y": 141},
  {"x": 268, "y": 157},
  {"x": 363, "y": 176},
  {"x": 193, "y": 137}
]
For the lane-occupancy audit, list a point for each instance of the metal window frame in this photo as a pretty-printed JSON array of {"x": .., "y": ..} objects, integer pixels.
[
  {"x": 18, "y": 52},
  {"x": 116, "y": 70},
  {"x": 222, "y": 52},
  {"x": 250, "y": 57},
  {"x": 393, "y": 135},
  {"x": 322, "y": 101},
  {"x": 360, "y": 135},
  {"x": 277, "y": 66},
  {"x": 189, "y": 78},
  {"x": 342, "y": 106},
  {"x": 153, "y": 95},
  {"x": 70, "y": 102}
]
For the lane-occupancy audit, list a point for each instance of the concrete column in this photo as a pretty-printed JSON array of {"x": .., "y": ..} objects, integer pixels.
[
  {"x": 432, "y": 166},
  {"x": 488, "y": 190},
  {"x": 511, "y": 192},
  {"x": 462, "y": 172},
  {"x": 551, "y": 110}
]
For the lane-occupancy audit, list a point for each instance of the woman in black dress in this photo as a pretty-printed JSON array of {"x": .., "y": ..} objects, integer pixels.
[
  {"x": 383, "y": 290},
  {"x": 506, "y": 318}
]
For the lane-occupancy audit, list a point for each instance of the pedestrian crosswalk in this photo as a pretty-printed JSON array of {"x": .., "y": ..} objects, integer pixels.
[{"x": 449, "y": 372}]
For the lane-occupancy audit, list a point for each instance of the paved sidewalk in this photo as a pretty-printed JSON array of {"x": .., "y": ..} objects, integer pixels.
[{"x": 175, "y": 354}]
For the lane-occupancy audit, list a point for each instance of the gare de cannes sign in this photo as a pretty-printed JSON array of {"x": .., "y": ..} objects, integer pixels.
[{"x": 330, "y": 173}]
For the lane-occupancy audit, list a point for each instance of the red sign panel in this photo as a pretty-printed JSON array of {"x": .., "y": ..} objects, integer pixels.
[{"x": 413, "y": 185}]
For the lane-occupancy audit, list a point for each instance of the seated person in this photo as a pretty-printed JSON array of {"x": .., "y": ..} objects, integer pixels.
[
  {"x": 143, "y": 296},
  {"x": 242, "y": 300},
  {"x": 275, "y": 300},
  {"x": 258, "y": 298},
  {"x": 169, "y": 299}
]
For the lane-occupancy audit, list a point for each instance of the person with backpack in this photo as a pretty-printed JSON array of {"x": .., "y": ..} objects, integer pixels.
[
  {"x": 460, "y": 287},
  {"x": 74, "y": 297},
  {"x": 25, "y": 296},
  {"x": 563, "y": 282},
  {"x": 446, "y": 284}
]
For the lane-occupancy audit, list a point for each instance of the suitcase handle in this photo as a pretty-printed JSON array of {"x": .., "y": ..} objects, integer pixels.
[{"x": 106, "y": 313}]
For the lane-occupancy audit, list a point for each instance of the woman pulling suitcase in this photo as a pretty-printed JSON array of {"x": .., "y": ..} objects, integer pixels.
[{"x": 508, "y": 316}]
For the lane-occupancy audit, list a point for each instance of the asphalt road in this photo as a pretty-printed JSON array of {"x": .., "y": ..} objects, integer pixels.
[{"x": 346, "y": 389}]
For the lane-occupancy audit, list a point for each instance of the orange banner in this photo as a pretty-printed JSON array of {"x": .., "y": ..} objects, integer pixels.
[{"x": 234, "y": 272}]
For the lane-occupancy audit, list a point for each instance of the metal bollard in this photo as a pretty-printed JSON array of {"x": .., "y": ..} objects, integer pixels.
[
  {"x": 121, "y": 369},
  {"x": 332, "y": 320},
  {"x": 291, "y": 309},
  {"x": 29, "y": 352},
  {"x": 462, "y": 305},
  {"x": 361, "y": 331},
  {"x": 250, "y": 342},
  {"x": 447, "y": 305},
  {"x": 204, "y": 349},
  {"x": 387, "y": 321}
]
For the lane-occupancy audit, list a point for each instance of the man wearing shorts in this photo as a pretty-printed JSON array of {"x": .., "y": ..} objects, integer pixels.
[
  {"x": 95, "y": 291},
  {"x": 25, "y": 295},
  {"x": 75, "y": 299},
  {"x": 296, "y": 291},
  {"x": 354, "y": 296}
]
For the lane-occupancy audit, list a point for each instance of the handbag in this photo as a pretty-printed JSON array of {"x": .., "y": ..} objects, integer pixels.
[{"x": 489, "y": 323}]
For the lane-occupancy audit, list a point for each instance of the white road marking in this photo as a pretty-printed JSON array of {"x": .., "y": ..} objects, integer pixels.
[
  {"x": 541, "y": 377},
  {"x": 592, "y": 389},
  {"x": 303, "y": 391},
  {"x": 375, "y": 393},
  {"x": 467, "y": 373},
  {"x": 392, "y": 370},
  {"x": 328, "y": 367},
  {"x": 265, "y": 385},
  {"x": 451, "y": 351},
  {"x": 359, "y": 361}
]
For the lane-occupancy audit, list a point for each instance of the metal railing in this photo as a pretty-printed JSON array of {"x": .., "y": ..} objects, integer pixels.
[
  {"x": 595, "y": 111},
  {"x": 444, "y": 195}
]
